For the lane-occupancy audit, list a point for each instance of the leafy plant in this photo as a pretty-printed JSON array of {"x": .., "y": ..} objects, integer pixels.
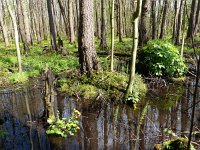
[
  {"x": 64, "y": 126},
  {"x": 161, "y": 58}
]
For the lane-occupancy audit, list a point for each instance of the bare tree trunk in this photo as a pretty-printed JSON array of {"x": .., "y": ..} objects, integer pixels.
[
  {"x": 71, "y": 21},
  {"x": 103, "y": 43},
  {"x": 98, "y": 30},
  {"x": 179, "y": 24},
  {"x": 87, "y": 53},
  {"x": 52, "y": 27},
  {"x": 62, "y": 9},
  {"x": 21, "y": 26},
  {"x": 136, "y": 15},
  {"x": 153, "y": 12},
  {"x": 3, "y": 24},
  {"x": 120, "y": 20},
  {"x": 112, "y": 34},
  {"x": 16, "y": 35},
  {"x": 175, "y": 20},
  {"x": 143, "y": 25},
  {"x": 191, "y": 23},
  {"x": 26, "y": 21},
  {"x": 197, "y": 20},
  {"x": 163, "y": 25}
]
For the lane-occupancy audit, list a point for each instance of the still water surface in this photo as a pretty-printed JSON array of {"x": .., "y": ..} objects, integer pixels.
[{"x": 103, "y": 125}]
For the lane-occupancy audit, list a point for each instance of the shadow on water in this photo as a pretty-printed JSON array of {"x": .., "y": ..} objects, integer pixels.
[{"x": 104, "y": 125}]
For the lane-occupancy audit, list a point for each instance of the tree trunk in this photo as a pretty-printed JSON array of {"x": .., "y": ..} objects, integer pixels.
[
  {"x": 87, "y": 53},
  {"x": 3, "y": 25},
  {"x": 179, "y": 24},
  {"x": 175, "y": 20},
  {"x": 143, "y": 25},
  {"x": 120, "y": 20},
  {"x": 191, "y": 23},
  {"x": 98, "y": 28},
  {"x": 103, "y": 43},
  {"x": 163, "y": 25},
  {"x": 13, "y": 18},
  {"x": 153, "y": 11},
  {"x": 112, "y": 34},
  {"x": 62, "y": 9},
  {"x": 136, "y": 15},
  {"x": 71, "y": 21},
  {"x": 197, "y": 21},
  {"x": 22, "y": 26},
  {"x": 26, "y": 21},
  {"x": 52, "y": 26}
]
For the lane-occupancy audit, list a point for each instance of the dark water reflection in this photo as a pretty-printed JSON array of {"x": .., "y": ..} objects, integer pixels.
[{"x": 103, "y": 125}]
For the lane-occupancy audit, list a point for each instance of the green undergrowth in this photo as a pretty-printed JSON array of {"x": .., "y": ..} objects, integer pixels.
[
  {"x": 178, "y": 143},
  {"x": 64, "y": 126},
  {"x": 33, "y": 63},
  {"x": 106, "y": 84}
]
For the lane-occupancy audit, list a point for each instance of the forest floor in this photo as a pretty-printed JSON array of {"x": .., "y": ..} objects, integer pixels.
[{"x": 66, "y": 70}]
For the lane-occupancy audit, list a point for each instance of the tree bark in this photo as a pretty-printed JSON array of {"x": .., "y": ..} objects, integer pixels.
[
  {"x": 71, "y": 21},
  {"x": 112, "y": 34},
  {"x": 62, "y": 9},
  {"x": 136, "y": 15},
  {"x": 153, "y": 12},
  {"x": 52, "y": 26},
  {"x": 3, "y": 25},
  {"x": 13, "y": 18},
  {"x": 87, "y": 53},
  {"x": 163, "y": 25},
  {"x": 197, "y": 21},
  {"x": 175, "y": 20},
  {"x": 191, "y": 23},
  {"x": 103, "y": 43},
  {"x": 143, "y": 25},
  {"x": 120, "y": 20},
  {"x": 179, "y": 24}
]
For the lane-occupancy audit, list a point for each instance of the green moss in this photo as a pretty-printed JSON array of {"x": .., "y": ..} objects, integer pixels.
[
  {"x": 176, "y": 144},
  {"x": 108, "y": 84}
]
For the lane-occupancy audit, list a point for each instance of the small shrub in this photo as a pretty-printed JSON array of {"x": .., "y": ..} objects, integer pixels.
[
  {"x": 161, "y": 58},
  {"x": 64, "y": 126},
  {"x": 18, "y": 77}
]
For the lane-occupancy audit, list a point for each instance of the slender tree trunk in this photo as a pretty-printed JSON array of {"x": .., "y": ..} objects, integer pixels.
[
  {"x": 103, "y": 43},
  {"x": 98, "y": 30},
  {"x": 120, "y": 20},
  {"x": 143, "y": 25},
  {"x": 71, "y": 21},
  {"x": 112, "y": 34},
  {"x": 136, "y": 15},
  {"x": 52, "y": 27},
  {"x": 62, "y": 9},
  {"x": 3, "y": 24},
  {"x": 163, "y": 25},
  {"x": 191, "y": 23},
  {"x": 175, "y": 20},
  {"x": 184, "y": 26},
  {"x": 197, "y": 20},
  {"x": 153, "y": 12},
  {"x": 87, "y": 53},
  {"x": 179, "y": 24},
  {"x": 16, "y": 35}
]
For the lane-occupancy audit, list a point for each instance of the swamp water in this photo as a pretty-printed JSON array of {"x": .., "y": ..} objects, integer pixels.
[{"x": 103, "y": 125}]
